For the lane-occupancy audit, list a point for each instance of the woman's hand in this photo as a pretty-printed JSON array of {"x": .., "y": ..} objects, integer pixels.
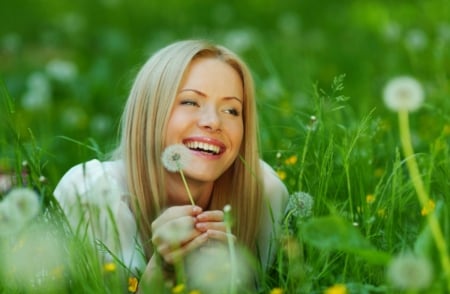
[
  {"x": 212, "y": 223},
  {"x": 174, "y": 232}
]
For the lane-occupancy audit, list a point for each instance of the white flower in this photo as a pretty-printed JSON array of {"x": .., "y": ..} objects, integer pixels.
[
  {"x": 176, "y": 157},
  {"x": 410, "y": 272},
  {"x": 403, "y": 93}
]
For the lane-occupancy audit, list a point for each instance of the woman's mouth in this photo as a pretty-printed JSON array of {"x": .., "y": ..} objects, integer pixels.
[{"x": 203, "y": 147}]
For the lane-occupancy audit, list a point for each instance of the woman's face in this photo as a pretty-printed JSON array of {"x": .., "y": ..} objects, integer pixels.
[{"x": 207, "y": 117}]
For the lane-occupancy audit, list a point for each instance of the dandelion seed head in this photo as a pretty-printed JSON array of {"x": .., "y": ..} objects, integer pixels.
[
  {"x": 403, "y": 93},
  {"x": 23, "y": 203},
  {"x": 176, "y": 157},
  {"x": 410, "y": 272},
  {"x": 227, "y": 208},
  {"x": 300, "y": 205}
]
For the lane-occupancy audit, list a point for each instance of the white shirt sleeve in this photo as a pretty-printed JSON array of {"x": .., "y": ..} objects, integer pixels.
[
  {"x": 94, "y": 197},
  {"x": 275, "y": 196}
]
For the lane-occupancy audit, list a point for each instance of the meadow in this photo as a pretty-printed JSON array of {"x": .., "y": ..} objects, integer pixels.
[{"x": 368, "y": 184}]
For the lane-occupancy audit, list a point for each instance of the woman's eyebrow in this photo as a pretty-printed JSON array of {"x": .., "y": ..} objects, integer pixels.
[{"x": 204, "y": 95}]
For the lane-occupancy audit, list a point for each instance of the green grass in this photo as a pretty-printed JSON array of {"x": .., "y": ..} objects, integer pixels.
[{"x": 325, "y": 59}]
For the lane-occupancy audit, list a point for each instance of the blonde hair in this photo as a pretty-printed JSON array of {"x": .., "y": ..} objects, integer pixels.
[{"x": 144, "y": 125}]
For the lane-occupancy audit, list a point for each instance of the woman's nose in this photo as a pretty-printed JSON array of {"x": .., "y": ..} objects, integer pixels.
[{"x": 209, "y": 119}]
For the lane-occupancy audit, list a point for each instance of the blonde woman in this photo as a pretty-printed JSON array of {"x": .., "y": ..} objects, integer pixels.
[{"x": 201, "y": 96}]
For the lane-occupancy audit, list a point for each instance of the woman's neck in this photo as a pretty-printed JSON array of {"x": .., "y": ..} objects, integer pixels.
[{"x": 178, "y": 195}]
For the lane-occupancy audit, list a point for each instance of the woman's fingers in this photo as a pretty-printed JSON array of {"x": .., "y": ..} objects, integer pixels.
[
  {"x": 210, "y": 216},
  {"x": 195, "y": 243},
  {"x": 175, "y": 231},
  {"x": 174, "y": 212}
]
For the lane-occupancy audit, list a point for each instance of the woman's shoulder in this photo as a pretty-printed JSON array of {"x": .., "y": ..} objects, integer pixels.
[
  {"x": 85, "y": 176},
  {"x": 273, "y": 187}
]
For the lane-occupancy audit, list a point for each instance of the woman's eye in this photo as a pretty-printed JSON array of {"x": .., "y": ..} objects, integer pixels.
[
  {"x": 189, "y": 102},
  {"x": 232, "y": 111}
]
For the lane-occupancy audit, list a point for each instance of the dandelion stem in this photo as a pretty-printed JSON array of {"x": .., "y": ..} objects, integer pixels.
[
  {"x": 191, "y": 199},
  {"x": 302, "y": 163},
  {"x": 422, "y": 194},
  {"x": 230, "y": 241}
]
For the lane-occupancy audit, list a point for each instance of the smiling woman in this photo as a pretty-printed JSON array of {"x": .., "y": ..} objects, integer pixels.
[{"x": 199, "y": 95}]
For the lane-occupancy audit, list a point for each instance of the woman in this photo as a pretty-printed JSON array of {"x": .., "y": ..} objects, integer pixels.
[{"x": 201, "y": 96}]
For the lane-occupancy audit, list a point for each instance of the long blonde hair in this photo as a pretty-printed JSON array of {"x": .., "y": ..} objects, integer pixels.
[{"x": 144, "y": 125}]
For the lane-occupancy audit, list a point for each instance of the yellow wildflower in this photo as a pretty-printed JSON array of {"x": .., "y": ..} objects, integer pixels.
[
  {"x": 276, "y": 291},
  {"x": 370, "y": 198},
  {"x": 291, "y": 160},
  {"x": 381, "y": 212},
  {"x": 446, "y": 129},
  {"x": 195, "y": 292},
  {"x": 428, "y": 208},
  {"x": 281, "y": 174},
  {"x": 336, "y": 289},
  {"x": 132, "y": 284},
  {"x": 178, "y": 289},
  {"x": 109, "y": 267}
]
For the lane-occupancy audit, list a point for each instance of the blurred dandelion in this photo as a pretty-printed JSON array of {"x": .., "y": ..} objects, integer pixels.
[
  {"x": 34, "y": 261},
  {"x": 416, "y": 40},
  {"x": 403, "y": 93},
  {"x": 38, "y": 94},
  {"x": 18, "y": 207},
  {"x": 240, "y": 40},
  {"x": 410, "y": 272},
  {"x": 210, "y": 270},
  {"x": 276, "y": 291},
  {"x": 61, "y": 70},
  {"x": 175, "y": 158}
]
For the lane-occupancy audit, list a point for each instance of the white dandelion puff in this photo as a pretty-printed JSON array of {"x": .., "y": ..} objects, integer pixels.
[
  {"x": 410, "y": 272},
  {"x": 175, "y": 157},
  {"x": 300, "y": 205},
  {"x": 18, "y": 207},
  {"x": 299, "y": 208},
  {"x": 403, "y": 93}
]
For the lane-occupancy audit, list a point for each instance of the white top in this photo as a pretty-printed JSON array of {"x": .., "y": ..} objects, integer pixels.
[{"x": 95, "y": 199}]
